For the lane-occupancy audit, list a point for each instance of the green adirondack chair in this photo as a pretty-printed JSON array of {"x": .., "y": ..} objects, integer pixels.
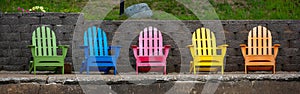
[{"x": 44, "y": 51}]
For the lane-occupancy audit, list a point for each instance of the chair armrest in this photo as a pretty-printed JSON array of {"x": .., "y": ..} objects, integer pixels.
[
  {"x": 222, "y": 46},
  {"x": 86, "y": 50},
  {"x": 189, "y": 46},
  {"x": 276, "y": 46},
  {"x": 243, "y": 48},
  {"x": 64, "y": 49},
  {"x": 223, "y": 49},
  {"x": 167, "y": 46},
  {"x": 83, "y": 46},
  {"x": 192, "y": 50},
  {"x": 243, "y": 45},
  {"x": 31, "y": 46},
  {"x": 116, "y": 50},
  {"x": 134, "y": 48},
  {"x": 63, "y": 46},
  {"x": 166, "y": 50},
  {"x": 115, "y": 47}
]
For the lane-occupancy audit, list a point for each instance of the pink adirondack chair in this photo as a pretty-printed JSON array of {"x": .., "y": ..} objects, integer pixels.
[{"x": 151, "y": 51}]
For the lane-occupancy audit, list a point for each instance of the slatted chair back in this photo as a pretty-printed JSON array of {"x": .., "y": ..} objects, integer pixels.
[
  {"x": 96, "y": 40},
  {"x": 150, "y": 42},
  {"x": 45, "y": 41},
  {"x": 259, "y": 41},
  {"x": 204, "y": 42}
]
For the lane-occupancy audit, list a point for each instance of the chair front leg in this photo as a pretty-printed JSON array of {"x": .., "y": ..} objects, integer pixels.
[
  {"x": 34, "y": 69},
  {"x": 194, "y": 69},
  {"x": 274, "y": 69},
  {"x": 191, "y": 66},
  {"x": 222, "y": 69},
  {"x": 115, "y": 70},
  {"x": 165, "y": 70},
  {"x": 88, "y": 67},
  {"x": 246, "y": 71},
  {"x": 136, "y": 69}
]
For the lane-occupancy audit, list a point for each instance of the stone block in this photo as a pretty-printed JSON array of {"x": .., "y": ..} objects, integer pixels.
[
  {"x": 67, "y": 37},
  {"x": 29, "y": 20},
  {"x": 26, "y": 36},
  {"x": 59, "y": 36},
  {"x": 290, "y": 35},
  {"x": 51, "y": 20},
  {"x": 109, "y": 28},
  {"x": 295, "y": 43},
  {"x": 229, "y": 35},
  {"x": 9, "y": 20},
  {"x": 283, "y": 60},
  {"x": 10, "y": 36},
  {"x": 251, "y": 26},
  {"x": 14, "y": 67},
  {"x": 15, "y": 52},
  {"x": 34, "y": 27},
  {"x": 20, "y": 28},
  {"x": 238, "y": 52},
  {"x": 64, "y": 28},
  {"x": 5, "y": 29},
  {"x": 4, "y": 61},
  {"x": 288, "y": 51},
  {"x": 284, "y": 44},
  {"x": 19, "y": 44},
  {"x": 235, "y": 27},
  {"x": 231, "y": 67},
  {"x": 26, "y": 52},
  {"x": 234, "y": 43},
  {"x": 70, "y": 19},
  {"x": 19, "y": 61},
  {"x": 3, "y": 53},
  {"x": 235, "y": 60},
  {"x": 291, "y": 67},
  {"x": 295, "y": 27},
  {"x": 278, "y": 27},
  {"x": 231, "y": 52},
  {"x": 241, "y": 35},
  {"x": 4, "y": 44},
  {"x": 295, "y": 60}
]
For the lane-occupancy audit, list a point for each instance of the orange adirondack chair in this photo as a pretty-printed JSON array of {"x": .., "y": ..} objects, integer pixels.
[{"x": 259, "y": 55}]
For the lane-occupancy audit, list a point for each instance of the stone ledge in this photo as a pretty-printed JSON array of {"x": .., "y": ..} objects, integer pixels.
[
  {"x": 72, "y": 79},
  {"x": 128, "y": 83}
]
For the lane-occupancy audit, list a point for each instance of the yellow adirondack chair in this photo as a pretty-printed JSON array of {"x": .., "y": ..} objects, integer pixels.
[
  {"x": 259, "y": 55},
  {"x": 204, "y": 51}
]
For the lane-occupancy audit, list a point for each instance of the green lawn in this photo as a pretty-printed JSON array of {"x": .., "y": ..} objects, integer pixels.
[{"x": 164, "y": 9}]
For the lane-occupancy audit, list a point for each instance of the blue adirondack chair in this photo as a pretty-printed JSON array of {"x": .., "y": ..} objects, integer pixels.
[{"x": 96, "y": 51}]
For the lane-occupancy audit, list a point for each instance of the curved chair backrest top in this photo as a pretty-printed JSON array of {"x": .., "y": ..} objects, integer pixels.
[
  {"x": 150, "y": 42},
  {"x": 204, "y": 42},
  {"x": 95, "y": 39},
  {"x": 259, "y": 41},
  {"x": 44, "y": 40}
]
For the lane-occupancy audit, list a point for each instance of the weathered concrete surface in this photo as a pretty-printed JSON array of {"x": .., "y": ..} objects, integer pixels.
[
  {"x": 126, "y": 83},
  {"x": 40, "y": 89}
]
